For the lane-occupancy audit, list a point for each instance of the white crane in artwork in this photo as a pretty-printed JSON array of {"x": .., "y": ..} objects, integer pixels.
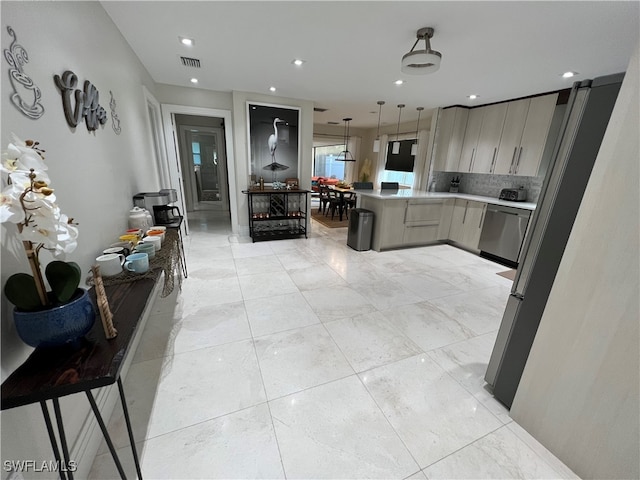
[
  {"x": 273, "y": 140},
  {"x": 273, "y": 144}
]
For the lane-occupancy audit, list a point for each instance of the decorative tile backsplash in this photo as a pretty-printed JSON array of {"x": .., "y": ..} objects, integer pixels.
[{"x": 487, "y": 185}]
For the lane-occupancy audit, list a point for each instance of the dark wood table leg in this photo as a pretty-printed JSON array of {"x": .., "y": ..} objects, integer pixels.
[
  {"x": 129, "y": 430},
  {"x": 52, "y": 438},
  {"x": 105, "y": 434},
  {"x": 63, "y": 438}
]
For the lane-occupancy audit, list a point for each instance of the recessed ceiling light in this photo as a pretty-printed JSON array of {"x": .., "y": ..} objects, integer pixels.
[
  {"x": 472, "y": 96},
  {"x": 569, "y": 74},
  {"x": 194, "y": 80},
  {"x": 297, "y": 62},
  {"x": 189, "y": 42},
  {"x": 272, "y": 89},
  {"x": 399, "y": 82}
]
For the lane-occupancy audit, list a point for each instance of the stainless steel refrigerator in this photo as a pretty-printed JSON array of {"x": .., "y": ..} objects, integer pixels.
[{"x": 586, "y": 118}]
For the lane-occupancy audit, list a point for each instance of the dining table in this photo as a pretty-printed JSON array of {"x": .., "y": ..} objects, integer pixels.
[{"x": 341, "y": 192}]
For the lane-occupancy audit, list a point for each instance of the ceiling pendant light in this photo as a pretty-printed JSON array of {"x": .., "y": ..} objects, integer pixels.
[
  {"x": 345, "y": 155},
  {"x": 396, "y": 145},
  {"x": 376, "y": 143},
  {"x": 414, "y": 147},
  {"x": 421, "y": 62}
]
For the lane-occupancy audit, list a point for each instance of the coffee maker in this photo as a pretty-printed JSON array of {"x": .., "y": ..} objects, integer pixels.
[{"x": 160, "y": 204}]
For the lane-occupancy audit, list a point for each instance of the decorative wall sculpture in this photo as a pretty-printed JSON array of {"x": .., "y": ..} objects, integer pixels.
[
  {"x": 26, "y": 95},
  {"x": 87, "y": 104},
  {"x": 115, "y": 121}
]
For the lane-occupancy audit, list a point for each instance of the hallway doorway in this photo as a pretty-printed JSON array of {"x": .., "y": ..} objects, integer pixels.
[{"x": 204, "y": 165}]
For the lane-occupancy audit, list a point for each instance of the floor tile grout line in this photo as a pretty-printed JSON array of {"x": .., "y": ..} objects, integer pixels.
[
  {"x": 384, "y": 415},
  {"x": 266, "y": 396}
]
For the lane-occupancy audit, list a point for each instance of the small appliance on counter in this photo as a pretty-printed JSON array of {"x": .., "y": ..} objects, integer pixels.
[
  {"x": 160, "y": 204},
  {"x": 513, "y": 194}
]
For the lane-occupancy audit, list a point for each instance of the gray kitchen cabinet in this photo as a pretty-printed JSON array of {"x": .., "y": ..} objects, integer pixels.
[
  {"x": 489, "y": 137},
  {"x": 466, "y": 223},
  {"x": 406, "y": 222},
  {"x": 535, "y": 134},
  {"x": 422, "y": 221},
  {"x": 449, "y": 138},
  {"x": 511, "y": 136},
  {"x": 524, "y": 136},
  {"x": 470, "y": 143}
]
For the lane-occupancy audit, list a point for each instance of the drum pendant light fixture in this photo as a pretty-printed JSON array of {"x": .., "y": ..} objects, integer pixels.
[
  {"x": 345, "y": 155},
  {"x": 396, "y": 145},
  {"x": 422, "y": 62},
  {"x": 414, "y": 147},
  {"x": 376, "y": 143}
]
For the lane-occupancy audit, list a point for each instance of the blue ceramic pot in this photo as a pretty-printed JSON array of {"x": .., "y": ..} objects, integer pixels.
[{"x": 59, "y": 325}]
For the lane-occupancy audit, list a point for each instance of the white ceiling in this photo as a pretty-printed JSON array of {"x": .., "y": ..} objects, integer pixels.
[{"x": 498, "y": 50}]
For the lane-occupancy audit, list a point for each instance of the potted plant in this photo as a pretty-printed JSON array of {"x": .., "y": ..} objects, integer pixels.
[{"x": 65, "y": 313}]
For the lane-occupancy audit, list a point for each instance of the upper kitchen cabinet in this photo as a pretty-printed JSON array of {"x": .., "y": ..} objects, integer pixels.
[
  {"x": 515, "y": 121},
  {"x": 524, "y": 136},
  {"x": 489, "y": 139},
  {"x": 470, "y": 144},
  {"x": 535, "y": 134},
  {"x": 452, "y": 123}
]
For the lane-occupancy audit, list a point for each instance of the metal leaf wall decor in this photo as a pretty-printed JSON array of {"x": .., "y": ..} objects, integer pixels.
[
  {"x": 26, "y": 95},
  {"x": 115, "y": 121}
]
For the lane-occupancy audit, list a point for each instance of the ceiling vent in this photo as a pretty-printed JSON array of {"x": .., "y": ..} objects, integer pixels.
[
  {"x": 190, "y": 62},
  {"x": 319, "y": 109}
]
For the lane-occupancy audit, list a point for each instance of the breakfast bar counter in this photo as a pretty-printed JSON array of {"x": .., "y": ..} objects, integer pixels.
[{"x": 409, "y": 218}]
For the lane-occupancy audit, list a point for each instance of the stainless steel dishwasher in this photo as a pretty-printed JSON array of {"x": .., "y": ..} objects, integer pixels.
[{"x": 503, "y": 231}]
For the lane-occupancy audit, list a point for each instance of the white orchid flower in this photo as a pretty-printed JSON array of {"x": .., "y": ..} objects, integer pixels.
[
  {"x": 19, "y": 158},
  {"x": 10, "y": 208}
]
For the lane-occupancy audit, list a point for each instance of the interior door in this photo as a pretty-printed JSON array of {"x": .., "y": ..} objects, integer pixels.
[{"x": 204, "y": 166}]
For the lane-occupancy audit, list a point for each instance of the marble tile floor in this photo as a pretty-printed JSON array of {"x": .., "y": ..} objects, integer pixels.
[{"x": 306, "y": 359}]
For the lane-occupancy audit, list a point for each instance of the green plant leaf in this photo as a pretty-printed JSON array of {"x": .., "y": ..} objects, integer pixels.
[
  {"x": 64, "y": 278},
  {"x": 21, "y": 290}
]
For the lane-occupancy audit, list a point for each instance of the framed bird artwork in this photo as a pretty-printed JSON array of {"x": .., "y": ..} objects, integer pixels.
[{"x": 274, "y": 136}]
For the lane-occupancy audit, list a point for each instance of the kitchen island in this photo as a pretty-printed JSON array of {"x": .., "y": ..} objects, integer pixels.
[{"x": 406, "y": 217}]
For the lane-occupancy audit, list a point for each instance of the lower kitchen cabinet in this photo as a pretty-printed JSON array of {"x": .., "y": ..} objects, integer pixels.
[
  {"x": 466, "y": 223},
  {"x": 402, "y": 223}
]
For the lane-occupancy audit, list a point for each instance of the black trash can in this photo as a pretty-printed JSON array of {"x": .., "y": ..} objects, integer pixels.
[{"x": 360, "y": 229}]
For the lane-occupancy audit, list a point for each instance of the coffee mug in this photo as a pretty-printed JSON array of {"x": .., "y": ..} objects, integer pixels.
[
  {"x": 137, "y": 262},
  {"x": 129, "y": 238},
  {"x": 134, "y": 231},
  {"x": 124, "y": 251},
  {"x": 153, "y": 239},
  {"x": 147, "y": 248},
  {"x": 159, "y": 227},
  {"x": 156, "y": 233},
  {"x": 110, "y": 264}
]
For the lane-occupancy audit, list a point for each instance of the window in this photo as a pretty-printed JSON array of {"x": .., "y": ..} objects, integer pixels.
[
  {"x": 195, "y": 151},
  {"x": 325, "y": 163},
  {"x": 399, "y": 167}
]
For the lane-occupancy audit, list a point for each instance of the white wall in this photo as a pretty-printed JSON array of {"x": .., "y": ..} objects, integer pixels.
[
  {"x": 94, "y": 174},
  {"x": 579, "y": 393}
]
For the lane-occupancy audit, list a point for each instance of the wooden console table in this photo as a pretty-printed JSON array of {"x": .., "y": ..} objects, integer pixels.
[{"x": 51, "y": 373}]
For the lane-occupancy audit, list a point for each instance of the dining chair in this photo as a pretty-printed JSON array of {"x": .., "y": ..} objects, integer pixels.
[
  {"x": 349, "y": 202},
  {"x": 323, "y": 191},
  {"x": 335, "y": 202},
  {"x": 389, "y": 186}
]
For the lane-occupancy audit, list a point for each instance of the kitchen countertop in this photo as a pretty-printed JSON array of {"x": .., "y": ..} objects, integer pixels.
[{"x": 407, "y": 193}]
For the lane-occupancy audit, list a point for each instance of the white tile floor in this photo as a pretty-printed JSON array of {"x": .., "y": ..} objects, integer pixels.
[{"x": 306, "y": 359}]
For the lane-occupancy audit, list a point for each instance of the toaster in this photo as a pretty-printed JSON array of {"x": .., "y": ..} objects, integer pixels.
[{"x": 513, "y": 194}]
